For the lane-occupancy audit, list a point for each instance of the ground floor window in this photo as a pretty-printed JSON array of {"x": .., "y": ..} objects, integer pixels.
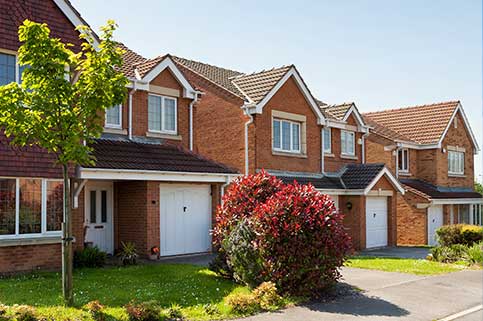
[
  {"x": 470, "y": 214},
  {"x": 30, "y": 207}
]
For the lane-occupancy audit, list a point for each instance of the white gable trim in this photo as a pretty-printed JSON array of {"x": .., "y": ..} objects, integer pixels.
[
  {"x": 74, "y": 17},
  {"x": 292, "y": 72},
  {"x": 353, "y": 110},
  {"x": 467, "y": 125},
  {"x": 391, "y": 178},
  {"x": 188, "y": 90}
]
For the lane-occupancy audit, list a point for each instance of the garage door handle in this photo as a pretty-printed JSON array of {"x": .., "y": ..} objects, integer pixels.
[
  {"x": 374, "y": 214},
  {"x": 184, "y": 209}
]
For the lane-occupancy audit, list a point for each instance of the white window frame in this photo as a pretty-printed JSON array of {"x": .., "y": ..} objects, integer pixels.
[
  {"x": 17, "y": 67},
  {"x": 117, "y": 126},
  {"x": 342, "y": 145},
  {"x": 459, "y": 163},
  {"x": 404, "y": 164},
  {"x": 165, "y": 131},
  {"x": 292, "y": 149},
  {"x": 328, "y": 130},
  {"x": 43, "y": 217}
]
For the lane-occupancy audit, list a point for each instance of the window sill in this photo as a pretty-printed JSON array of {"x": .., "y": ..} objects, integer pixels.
[
  {"x": 297, "y": 155},
  {"x": 110, "y": 130},
  {"x": 349, "y": 157},
  {"x": 34, "y": 240},
  {"x": 457, "y": 175},
  {"x": 163, "y": 135},
  {"x": 404, "y": 173},
  {"x": 329, "y": 155}
]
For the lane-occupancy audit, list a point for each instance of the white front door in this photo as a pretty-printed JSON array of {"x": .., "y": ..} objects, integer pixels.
[
  {"x": 376, "y": 222},
  {"x": 185, "y": 219},
  {"x": 98, "y": 215},
  {"x": 435, "y": 220}
]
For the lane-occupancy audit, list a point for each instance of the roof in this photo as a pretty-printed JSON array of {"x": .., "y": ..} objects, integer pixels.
[
  {"x": 144, "y": 67},
  {"x": 130, "y": 59},
  {"x": 337, "y": 111},
  {"x": 351, "y": 177},
  {"x": 257, "y": 85},
  {"x": 124, "y": 154},
  {"x": 424, "y": 124},
  {"x": 384, "y": 131},
  {"x": 430, "y": 191}
]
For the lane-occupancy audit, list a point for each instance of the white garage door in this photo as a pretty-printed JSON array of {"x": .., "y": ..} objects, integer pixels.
[
  {"x": 185, "y": 219},
  {"x": 435, "y": 220},
  {"x": 376, "y": 222}
]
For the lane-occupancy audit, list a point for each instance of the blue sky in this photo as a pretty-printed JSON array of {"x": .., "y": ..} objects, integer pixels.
[{"x": 377, "y": 53}]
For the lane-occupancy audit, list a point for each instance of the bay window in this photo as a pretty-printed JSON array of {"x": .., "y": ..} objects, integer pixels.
[
  {"x": 286, "y": 136},
  {"x": 114, "y": 117},
  {"x": 162, "y": 114},
  {"x": 327, "y": 137},
  {"x": 30, "y": 207},
  {"x": 403, "y": 160},
  {"x": 347, "y": 141},
  {"x": 456, "y": 162}
]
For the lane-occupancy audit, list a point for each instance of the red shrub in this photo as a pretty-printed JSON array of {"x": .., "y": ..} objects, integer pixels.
[{"x": 301, "y": 239}]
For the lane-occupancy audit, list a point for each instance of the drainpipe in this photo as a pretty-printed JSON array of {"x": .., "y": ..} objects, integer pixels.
[
  {"x": 322, "y": 152},
  {"x": 191, "y": 119},
  {"x": 131, "y": 93},
  {"x": 250, "y": 121},
  {"x": 366, "y": 134},
  {"x": 222, "y": 191},
  {"x": 398, "y": 147}
]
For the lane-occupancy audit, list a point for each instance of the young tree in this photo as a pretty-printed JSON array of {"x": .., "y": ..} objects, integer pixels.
[
  {"x": 479, "y": 188},
  {"x": 60, "y": 103}
]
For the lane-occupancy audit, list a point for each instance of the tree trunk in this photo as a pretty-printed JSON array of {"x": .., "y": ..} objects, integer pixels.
[{"x": 67, "y": 259}]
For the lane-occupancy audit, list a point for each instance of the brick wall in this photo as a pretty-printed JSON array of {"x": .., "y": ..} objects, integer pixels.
[
  {"x": 412, "y": 222},
  {"x": 28, "y": 258},
  {"x": 354, "y": 219}
]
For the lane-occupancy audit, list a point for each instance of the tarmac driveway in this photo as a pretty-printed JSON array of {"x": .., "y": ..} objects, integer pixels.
[{"x": 389, "y": 295}]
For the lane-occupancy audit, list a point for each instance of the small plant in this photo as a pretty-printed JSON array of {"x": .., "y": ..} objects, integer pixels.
[
  {"x": 243, "y": 303},
  {"x": 211, "y": 309},
  {"x": 89, "y": 257},
  {"x": 267, "y": 296},
  {"x": 175, "y": 313},
  {"x": 450, "y": 254},
  {"x": 3, "y": 313},
  {"x": 95, "y": 309},
  {"x": 144, "y": 311},
  {"x": 128, "y": 254},
  {"x": 24, "y": 313},
  {"x": 475, "y": 253}
]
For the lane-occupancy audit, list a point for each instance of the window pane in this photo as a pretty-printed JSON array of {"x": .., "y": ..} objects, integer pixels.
[
  {"x": 350, "y": 143},
  {"x": 276, "y": 134},
  {"x": 327, "y": 140},
  {"x": 400, "y": 159},
  {"x": 295, "y": 137},
  {"x": 154, "y": 113},
  {"x": 93, "y": 215},
  {"x": 7, "y": 206},
  {"x": 285, "y": 135},
  {"x": 21, "y": 69},
  {"x": 464, "y": 216},
  {"x": 104, "y": 206},
  {"x": 55, "y": 205},
  {"x": 343, "y": 142},
  {"x": 7, "y": 69},
  {"x": 113, "y": 116},
  {"x": 169, "y": 114},
  {"x": 30, "y": 206}
]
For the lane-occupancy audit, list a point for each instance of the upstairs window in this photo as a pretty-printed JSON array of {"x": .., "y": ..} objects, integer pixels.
[
  {"x": 286, "y": 136},
  {"x": 114, "y": 117},
  {"x": 327, "y": 137},
  {"x": 347, "y": 141},
  {"x": 403, "y": 160},
  {"x": 456, "y": 162},
  {"x": 162, "y": 114},
  {"x": 10, "y": 71}
]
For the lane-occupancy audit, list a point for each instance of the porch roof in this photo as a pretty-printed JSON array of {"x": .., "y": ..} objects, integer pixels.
[
  {"x": 130, "y": 155},
  {"x": 430, "y": 191}
]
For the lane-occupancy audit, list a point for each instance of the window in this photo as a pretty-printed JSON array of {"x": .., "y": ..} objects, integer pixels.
[
  {"x": 456, "y": 162},
  {"x": 403, "y": 160},
  {"x": 347, "y": 140},
  {"x": 114, "y": 117},
  {"x": 30, "y": 206},
  {"x": 286, "y": 136},
  {"x": 162, "y": 114},
  {"x": 10, "y": 71},
  {"x": 327, "y": 136}
]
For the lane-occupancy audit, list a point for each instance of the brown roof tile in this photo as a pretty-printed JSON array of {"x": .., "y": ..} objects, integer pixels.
[
  {"x": 337, "y": 111},
  {"x": 423, "y": 124},
  {"x": 130, "y": 58},
  {"x": 147, "y": 65},
  {"x": 384, "y": 131}
]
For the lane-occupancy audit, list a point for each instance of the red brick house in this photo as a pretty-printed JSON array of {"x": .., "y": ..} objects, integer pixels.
[
  {"x": 146, "y": 187},
  {"x": 270, "y": 120},
  {"x": 430, "y": 149}
]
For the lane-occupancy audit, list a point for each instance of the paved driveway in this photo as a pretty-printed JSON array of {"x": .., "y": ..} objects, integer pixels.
[
  {"x": 388, "y": 295},
  {"x": 399, "y": 251}
]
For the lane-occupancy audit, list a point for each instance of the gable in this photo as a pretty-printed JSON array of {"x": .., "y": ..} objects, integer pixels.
[
  {"x": 167, "y": 80},
  {"x": 462, "y": 134},
  {"x": 351, "y": 120}
]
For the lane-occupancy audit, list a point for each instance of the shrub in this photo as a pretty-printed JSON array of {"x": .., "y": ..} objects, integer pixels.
[
  {"x": 3, "y": 313},
  {"x": 211, "y": 309},
  {"x": 474, "y": 253},
  {"x": 243, "y": 303},
  {"x": 450, "y": 254},
  {"x": 459, "y": 234},
  {"x": 174, "y": 312},
  {"x": 89, "y": 257},
  {"x": 301, "y": 240},
  {"x": 95, "y": 309},
  {"x": 267, "y": 296},
  {"x": 242, "y": 257},
  {"x": 24, "y": 313},
  {"x": 128, "y": 254},
  {"x": 144, "y": 311}
]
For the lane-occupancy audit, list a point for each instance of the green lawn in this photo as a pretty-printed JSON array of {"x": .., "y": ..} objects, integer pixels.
[
  {"x": 191, "y": 287},
  {"x": 413, "y": 266}
]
